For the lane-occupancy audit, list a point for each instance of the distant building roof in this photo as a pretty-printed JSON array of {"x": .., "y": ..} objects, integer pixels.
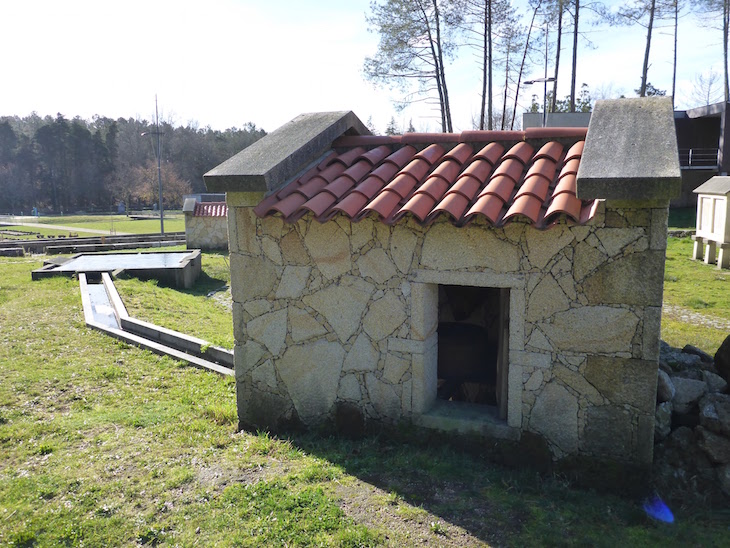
[
  {"x": 716, "y": 185},
  {"x": 210, "y": 209}
]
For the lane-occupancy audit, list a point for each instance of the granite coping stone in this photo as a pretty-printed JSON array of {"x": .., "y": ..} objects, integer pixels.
[
  {"x": 273, "y": 160},
  {"x": 630, "y": 151}
]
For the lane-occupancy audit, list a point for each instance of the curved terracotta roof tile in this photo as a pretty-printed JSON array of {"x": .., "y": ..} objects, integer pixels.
[
  {"x": 431, "y": 153},
  {"x": 535, "y": 186},
  {"x": 314, "y": 186},
  {"x": 403, "y": 184},
  {"x": 454, "y": 204},
  {"x": 485, "y": 136},
  {"x": 553, "y": 132},
  {"x": 551, "y": 150},
  {"x": 420, "y": 138},
  {"x": 521, "y": 151},
  {"x": 479, "y": 169},
  {"x": 434, "y": 187},
  {"x": 570, "y": 167},
  {"x": 460, "y": 153},
  {"x": 511, "y": 167},
  {"x": 320, "y": 203},
  {"x": 566, "y": 184},
  {"x": 391, "y": 179},
  {"x": 543, "y": 167},
  {"x": 384, "y": 204},
  {"x": 370, "y": 186},
  {"x": 491, "y": 153},
  {"x": 527, "y": 206},
  {"x": 290, "y": 204},
  {"x": 419, "y": 205},
  {"x": 417, "y": 169},
  {"x": 564, "y": 203},
  {"x": 401, "y": 156},
  {"x": 576, "y": 151},
  {"x": 501, "y": 186},
  {"x": 346, "y": 158},
  {"x": 447, "y": 171},
  {"x": 466, "y": 185},
  {"x": 488, "y": 206},
  {"x": 376, "y": 155}
]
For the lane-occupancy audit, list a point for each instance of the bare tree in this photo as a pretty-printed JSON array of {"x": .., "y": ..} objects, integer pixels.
[
  {"x": 712, "y": 9},
  {"x": 415, "y": 38},
  {"x": 707, "y": 88}
]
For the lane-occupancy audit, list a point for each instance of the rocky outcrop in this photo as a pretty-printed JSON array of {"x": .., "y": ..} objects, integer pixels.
[{"x": 692, "y": 426}]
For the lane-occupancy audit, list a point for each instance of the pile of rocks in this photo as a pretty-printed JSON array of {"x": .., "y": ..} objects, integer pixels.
[{"x": 692, "y": 429}]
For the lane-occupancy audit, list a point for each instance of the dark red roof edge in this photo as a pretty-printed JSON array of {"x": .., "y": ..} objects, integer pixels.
[{"x": 463, "y": 137}]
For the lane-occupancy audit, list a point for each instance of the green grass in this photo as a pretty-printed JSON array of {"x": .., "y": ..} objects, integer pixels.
[
  {"x": 174, "y": 222},
  {"x": 103, "y": 444},
  {"x": 698, "y": 288},
  {"x": 186, "y": 311}
]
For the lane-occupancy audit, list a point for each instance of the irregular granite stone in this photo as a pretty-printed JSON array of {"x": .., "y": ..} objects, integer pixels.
[
  {"x": 608, "y": 431},
  {"x": 329, "y": 248},
  {"x": 311, "y": 373},
  {"x": 688, "y": 393},
  {"x": 555, "y": 416},
  {"x": 447, "y": 249},
  {"x": 722, "y": 359},
  {"x": 665, "y": 387},
  {"x": 329, "y": 301},
  {"x": 592, "y": 329},
  {"x": 269, "y": 330},
  {"x": 624, "y": 381},
  {"x": 376, "y": 264},
  {"x": 716, "y": 447},
  {"x": 715, "y": 413},
  {"x": 715, "y": 383},
  {"x": 384, "y": 316},
  {"x": 663, "y": 420}
]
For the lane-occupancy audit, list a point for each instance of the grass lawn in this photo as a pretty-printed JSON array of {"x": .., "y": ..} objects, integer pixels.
[
  {"x": 174, "y": 222},
  {"x": 700, "y": 290},
  {"x": 103, "y": 444}
]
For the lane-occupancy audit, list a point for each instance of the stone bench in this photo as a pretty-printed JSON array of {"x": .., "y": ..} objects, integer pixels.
[{"x": 710, "y": 248}]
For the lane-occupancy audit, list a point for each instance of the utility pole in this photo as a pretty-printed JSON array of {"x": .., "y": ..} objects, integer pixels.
[{"x": 158, "y": 152}]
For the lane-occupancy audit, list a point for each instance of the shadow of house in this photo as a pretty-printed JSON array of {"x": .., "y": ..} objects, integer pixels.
[{"x": 503, "y": 284}]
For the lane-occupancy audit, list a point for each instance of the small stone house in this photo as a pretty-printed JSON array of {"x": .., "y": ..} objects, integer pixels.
[
  {"x": 488, "y": 282},
  {"x": 206, "y": 224}
]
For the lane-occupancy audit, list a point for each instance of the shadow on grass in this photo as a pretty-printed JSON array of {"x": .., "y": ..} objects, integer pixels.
[{"x": 493, "y": 503}]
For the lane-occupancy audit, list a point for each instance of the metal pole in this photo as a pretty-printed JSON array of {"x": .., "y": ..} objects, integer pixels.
[
  {"x": 159, "y": 167},
  {"x": 544, "y": 92}
]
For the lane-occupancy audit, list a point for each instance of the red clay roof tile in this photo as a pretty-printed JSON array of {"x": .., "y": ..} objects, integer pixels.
[
  {"x": 488, "y": 206},
  {"x": 501, "y": 182}
]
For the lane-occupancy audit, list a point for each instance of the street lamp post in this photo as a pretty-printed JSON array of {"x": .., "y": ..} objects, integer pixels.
[
  {"x": 159, "y": 164},
  {"x": 544, "y": 96}
]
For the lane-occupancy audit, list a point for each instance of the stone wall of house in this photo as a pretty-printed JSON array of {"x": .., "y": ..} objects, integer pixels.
[
  {"x": 345, "y": 314},
  {"x": 206, "y": 232}
]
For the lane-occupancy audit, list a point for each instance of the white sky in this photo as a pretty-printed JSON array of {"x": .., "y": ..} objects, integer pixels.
[{"x": 223, "y": 63}]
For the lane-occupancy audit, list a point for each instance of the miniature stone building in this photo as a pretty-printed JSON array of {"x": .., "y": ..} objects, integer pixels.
[
  {"x": 489, "y": 282},
  {"x": 206, "y": 224},
  {"x": 713, "y": 229}
]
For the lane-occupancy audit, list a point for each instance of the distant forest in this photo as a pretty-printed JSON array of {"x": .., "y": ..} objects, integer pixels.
[{"x": 64, "y": 166}]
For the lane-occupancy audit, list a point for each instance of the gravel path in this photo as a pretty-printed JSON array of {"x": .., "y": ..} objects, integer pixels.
[{"x": 690, "y": 316}]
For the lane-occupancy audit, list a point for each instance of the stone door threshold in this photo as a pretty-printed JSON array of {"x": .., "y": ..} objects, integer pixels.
[{"x": 466, "y": 418}]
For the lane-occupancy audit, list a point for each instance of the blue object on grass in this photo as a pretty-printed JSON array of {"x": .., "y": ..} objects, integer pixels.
[{"x": 655, "y": 508}]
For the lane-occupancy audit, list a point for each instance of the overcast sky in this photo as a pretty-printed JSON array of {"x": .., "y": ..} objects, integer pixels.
[{"x": 222, "y": 63}]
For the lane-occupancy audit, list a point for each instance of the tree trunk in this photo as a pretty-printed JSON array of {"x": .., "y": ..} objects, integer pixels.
[
  {"x": 485, "y": 68},
  {"x": 490, "y": 110},
  {"x": 575, "y": 56},
  {"x": 440, "y": 65},
  {"x": 522, "y": 65},
  {"x": 674, "y": 66},
  {"x": 645, "y": 70},
  {"x": 725, "y": 29},
  {"x": 557, "y": 55}
]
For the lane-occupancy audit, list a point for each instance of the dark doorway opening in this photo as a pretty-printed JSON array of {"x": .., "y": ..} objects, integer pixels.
[{"x": 473, "y": 342}]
